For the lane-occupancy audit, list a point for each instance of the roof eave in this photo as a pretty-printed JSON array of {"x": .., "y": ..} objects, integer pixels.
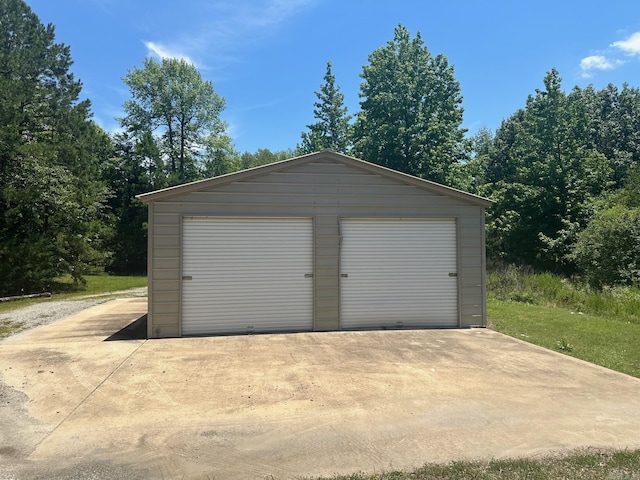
[{"x": 170, "y": 192}]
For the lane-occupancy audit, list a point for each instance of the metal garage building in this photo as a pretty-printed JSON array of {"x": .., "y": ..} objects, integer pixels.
[{"x": 315, "y": 243}]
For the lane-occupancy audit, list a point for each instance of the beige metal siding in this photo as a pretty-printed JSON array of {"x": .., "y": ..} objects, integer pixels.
[
  {"x": 398, "y": 273},
  {"x": 164, "y": 273},
  {"x": 323, "y": 189},
  {"x": 326, "y": 273},
  {"x": 151, "y": 259},
  {"x": 246, "y": 275}
]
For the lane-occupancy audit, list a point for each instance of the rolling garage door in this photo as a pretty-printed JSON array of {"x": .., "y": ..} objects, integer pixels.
[
  {"x": 398, "y": 273},
  {"x": 243, "y": 275}
]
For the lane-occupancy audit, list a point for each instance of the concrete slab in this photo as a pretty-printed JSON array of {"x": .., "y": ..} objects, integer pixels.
[{"x": 294, "y": 405}]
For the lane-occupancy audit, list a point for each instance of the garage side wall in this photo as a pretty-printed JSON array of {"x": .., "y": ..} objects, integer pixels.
[{"x": 326, "y": 191}]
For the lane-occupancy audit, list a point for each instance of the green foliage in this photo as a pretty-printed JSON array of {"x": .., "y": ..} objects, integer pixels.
[
  {"x": 564, "y": 346},
  {"x": 174, "y": 134},
  {"x": 411, "y": 110},
  {"x": 615, "y": 116},
  {"x": 471, "y": 175},
  {"x": 133, "y": 169},
  {"x": 181, "y": 112},
  {"x": 601, "y": 327},
  {"x": 263, "y": 156},
  {"x": 64, "y": 288},
  {"x": 605, "y": 339},
  {"x": 629, "y": 195},
  {"x": 557, "y": 165},
  {"x": 332, "y": 130},
  {"x": 608, "y": 250},
  {"x": 512, "y": 284},
  {"x": 544, "y": 178},
  {"x": 53, "y": 219}
]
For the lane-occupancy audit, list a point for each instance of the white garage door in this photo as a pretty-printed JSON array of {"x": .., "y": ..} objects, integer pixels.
[
  {"x": 244, "y": 275},
  {"x": 398, "y": 273}
]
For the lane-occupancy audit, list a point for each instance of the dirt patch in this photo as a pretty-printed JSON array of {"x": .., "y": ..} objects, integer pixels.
[
  {"x": 96, "y": 471},
  {"x": 85, "y": 471},
  {"x": 15, "y": 439}
]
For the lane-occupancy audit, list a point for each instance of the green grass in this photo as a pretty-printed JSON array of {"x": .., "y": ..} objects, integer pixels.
[
  {"x": 96, "y": 284},
  {"x": 578, "y": 465},
  {"x": 606, "y": 340},
  {"x": 63, "y": 288},
  {"x": 602, "y": 327}
]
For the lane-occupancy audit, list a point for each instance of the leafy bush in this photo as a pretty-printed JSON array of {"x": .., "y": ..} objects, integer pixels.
[{"x": 608, "y": 250}]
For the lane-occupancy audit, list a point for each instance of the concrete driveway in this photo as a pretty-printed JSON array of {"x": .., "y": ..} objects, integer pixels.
[{"x": 75, "y": 405}]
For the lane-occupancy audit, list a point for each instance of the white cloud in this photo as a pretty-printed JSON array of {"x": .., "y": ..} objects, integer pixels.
[
  {"x": 227, "y": 26},
  {"x": 597, "y": 62},
  {"x": 631, "y": 45},
  {"x": 161, "y": 52},
  {"x": 592, "y": 63},
  {"x": 272, "y": 12}
]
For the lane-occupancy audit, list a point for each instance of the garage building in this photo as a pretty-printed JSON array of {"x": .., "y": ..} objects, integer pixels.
[{"x": 315, "y": 243}]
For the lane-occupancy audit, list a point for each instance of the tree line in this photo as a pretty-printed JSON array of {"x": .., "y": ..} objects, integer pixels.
[{"x": 564, "y": 169}]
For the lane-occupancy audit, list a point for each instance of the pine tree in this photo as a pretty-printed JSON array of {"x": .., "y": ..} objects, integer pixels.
[
  {"x": 332, "y": 130},
  {"x": 51, "y": 196}
]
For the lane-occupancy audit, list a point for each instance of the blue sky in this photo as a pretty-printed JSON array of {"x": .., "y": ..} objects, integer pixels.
[{"x": 268, "y": 57}]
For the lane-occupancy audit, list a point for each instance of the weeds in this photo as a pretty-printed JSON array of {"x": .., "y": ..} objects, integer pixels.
[
  {"x": 564, "y": 346},
  {"x": 517, "y": 284}
]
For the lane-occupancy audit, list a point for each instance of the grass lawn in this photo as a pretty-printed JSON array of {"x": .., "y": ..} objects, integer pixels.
[
  {"x": 599, "y": 326},
  {"x": 96, "y": 284},
  {"x": 63, "y": 288},
  {"x": 608, "y": 340},
  {"x": 579, "y": 465}
]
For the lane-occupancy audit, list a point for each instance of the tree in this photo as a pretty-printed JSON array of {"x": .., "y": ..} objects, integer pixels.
[
  {"x": 134, "y": 168},
  {"x": 332, "y": 130},
  {"x": 471, "y": 175},
  {"x": 615, "y": 128},
  {"x": 52, "y": 214},
  {"x": 262, "y": 156},
  {"x": 544, "y": 177},
  {"x": 608, "y": 249},
  {"x": 411, "y": 114},
  {"x": 171, "y": 101}
]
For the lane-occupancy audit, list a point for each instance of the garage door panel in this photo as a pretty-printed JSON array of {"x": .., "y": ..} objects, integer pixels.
[
  {"x": 247, "y": 274},
  {"x": 398, "y": 273}
]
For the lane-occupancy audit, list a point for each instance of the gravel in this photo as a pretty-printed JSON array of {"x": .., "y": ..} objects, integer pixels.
[{"x": 43, "y": 313}]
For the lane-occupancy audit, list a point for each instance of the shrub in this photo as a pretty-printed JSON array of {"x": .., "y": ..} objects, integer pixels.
[{"x": 608, "y": 250}]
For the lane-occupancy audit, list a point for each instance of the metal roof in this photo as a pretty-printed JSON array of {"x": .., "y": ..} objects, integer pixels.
[{"x": 178, "y": 190}]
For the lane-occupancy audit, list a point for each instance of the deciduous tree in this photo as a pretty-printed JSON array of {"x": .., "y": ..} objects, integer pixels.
[
  {"x": 171, "y": 101},
  {"x": 544, "y": 177},
  {"x": 411, "y": 113}
]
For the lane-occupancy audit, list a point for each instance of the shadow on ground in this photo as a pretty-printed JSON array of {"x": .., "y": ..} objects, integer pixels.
[{"x": 136, "y": 330}]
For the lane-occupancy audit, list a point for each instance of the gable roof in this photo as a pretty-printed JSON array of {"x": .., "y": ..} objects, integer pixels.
[{"x": 171, "y": 192}]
